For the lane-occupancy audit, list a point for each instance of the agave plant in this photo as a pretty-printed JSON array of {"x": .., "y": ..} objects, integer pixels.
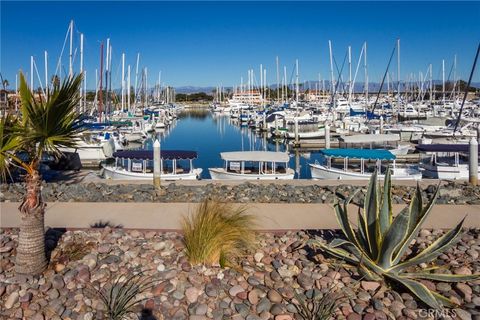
[{"x": 378, "y": 246}]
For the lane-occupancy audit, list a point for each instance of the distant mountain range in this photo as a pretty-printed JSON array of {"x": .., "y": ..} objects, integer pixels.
[{"x": 359, "y": 87}]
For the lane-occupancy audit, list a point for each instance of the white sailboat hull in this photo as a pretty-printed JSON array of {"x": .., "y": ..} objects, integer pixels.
[
  {"x": 319, "y": 171},
  {"x": 122, "y": 174},
  {"x": 222, "y": 174}
]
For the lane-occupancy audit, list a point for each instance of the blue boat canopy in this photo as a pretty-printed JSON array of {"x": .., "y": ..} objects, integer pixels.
[
  {"x": 148, "y": 154},
  {"x": 368, "y": 154}
]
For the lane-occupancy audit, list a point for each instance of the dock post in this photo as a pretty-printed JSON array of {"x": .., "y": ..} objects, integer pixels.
[
  {"x": 156, "y": 164},
  {"x": 473, "y": 162},
  {"x": 276, "y": 126},
  {"x": 327, "y": 136},
  {"x": 296, "y": 131}
]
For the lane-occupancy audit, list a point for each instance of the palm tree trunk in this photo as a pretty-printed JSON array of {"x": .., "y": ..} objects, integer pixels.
[{"x": 31, "y": 257}]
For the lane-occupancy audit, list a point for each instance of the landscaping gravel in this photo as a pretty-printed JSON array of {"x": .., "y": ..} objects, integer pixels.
[{"x": 263, "y": 286}]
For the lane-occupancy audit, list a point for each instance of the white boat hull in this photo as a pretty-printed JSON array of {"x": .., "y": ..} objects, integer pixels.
[
  {"x": 221, "y": 174},
  {"x": 122, "y": 174},
  {"x": 446, "y": 172},
  {"x": 319, "y": 171},
  {"x": 307, "y": 135}
]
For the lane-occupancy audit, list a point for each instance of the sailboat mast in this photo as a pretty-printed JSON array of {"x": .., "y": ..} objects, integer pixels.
[
  {"x": 331, "y": 71},
  {"x": 100, "y": 96},
  {"x": 123, "y": 82},
  {"x": 46, "y": 72},
  {"x": 136, "y": 79},
  {"x": 70, "y": 69},
  {"x": 81, "y": 70},
  {"x": 350, "y": 75},
  {"x": 296, "y": 84},
  {"x": 278, "y": 81},
  {"x": 443, "y": 81},
  {"x": 454, "y": 75},
  {"x": 431, "y": 85},
  {"x": 31, "y": 73},
  {"x": 398, "y": 73},
  {"x": 109, "y": 79},
  {"x": 106, "y": 74},
  {"x": 366, "y": 72},
  {"x": 128, "y": 88}
]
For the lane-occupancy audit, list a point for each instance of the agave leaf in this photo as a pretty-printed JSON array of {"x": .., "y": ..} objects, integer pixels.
[
  {"x": 362, "y": 234},
  {"x": 371, "y": 214},
  {"x": 336, "y": 252},
  {"x": 433, "y": 250},
  {"x": 444, "y": 300},
  {"x": 338, "y": 242},
  {"x": 418, "y": 289},
  {"x": 364, "y": 259},
  {"x": 342, "y": 218},
  {"x": 394, "y": 235},
  {"x": 416, "y": 209},
  {"x": 413, "y": 234},
  {"x": 445, "y": 277},
  {"x": 385, "y": 215}
]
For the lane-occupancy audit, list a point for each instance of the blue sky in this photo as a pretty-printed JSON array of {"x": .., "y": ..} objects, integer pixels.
[{"x": 212, "y": 43}]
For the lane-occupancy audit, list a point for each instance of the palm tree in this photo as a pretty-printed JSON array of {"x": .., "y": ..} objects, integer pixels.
[{"x": 46, "y": 125}]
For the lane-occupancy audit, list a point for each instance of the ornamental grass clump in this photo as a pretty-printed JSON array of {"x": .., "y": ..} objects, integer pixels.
[
  {"x": 218, "y": 233},
  {"x": 378, "y": 246}
]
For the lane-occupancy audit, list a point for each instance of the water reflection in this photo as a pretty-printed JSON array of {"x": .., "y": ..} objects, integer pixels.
[{"x": 209, "y": 134}]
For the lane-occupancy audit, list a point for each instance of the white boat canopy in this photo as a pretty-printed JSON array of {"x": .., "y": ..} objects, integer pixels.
[
  {"x": 265, "y": 156},
  {"x": 370, "y": 138}
]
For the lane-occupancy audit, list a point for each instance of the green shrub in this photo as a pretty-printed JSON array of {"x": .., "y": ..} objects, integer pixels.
[{"x": 378, "y": 246}]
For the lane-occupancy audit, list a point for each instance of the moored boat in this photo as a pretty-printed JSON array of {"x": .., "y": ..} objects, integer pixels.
[
  {"x": 253, "y": 165},
  {"x": 445, "y": 161},
  {"x": 138, "y": 165},
  {"x": 366, "y": 161}
]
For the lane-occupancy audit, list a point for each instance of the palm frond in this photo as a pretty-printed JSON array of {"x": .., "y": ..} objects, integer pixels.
[{"x": 54, "y": 123}]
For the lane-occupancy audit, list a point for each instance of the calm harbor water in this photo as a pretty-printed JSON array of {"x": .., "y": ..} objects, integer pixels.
[{"x": 209, "y": 134}]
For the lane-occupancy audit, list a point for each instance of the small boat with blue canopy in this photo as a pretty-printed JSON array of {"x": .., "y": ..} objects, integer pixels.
[
  {"x": 359, "y": 164},
  {"x": 138, "y": 165}
]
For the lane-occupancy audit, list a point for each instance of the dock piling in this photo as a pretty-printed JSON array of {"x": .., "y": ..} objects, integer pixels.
[
  {"x": 473, "y": 162},
  {"x": 327, "y": 136},
  {"x": 156, "y": 164},
  {"x": 296, "y": 130},
  {"x": 276, "y": 126}
]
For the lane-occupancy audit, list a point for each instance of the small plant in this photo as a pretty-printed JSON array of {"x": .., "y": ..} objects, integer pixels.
[
  {"x": 316, "y": 307},
  {"x": 218, "y": 233},
  {"x": 100, "y": 224},
  {"x": 73, "y": 250},
  {"x": 379, "y": 244},
  {"x": 121, "y": 296}
]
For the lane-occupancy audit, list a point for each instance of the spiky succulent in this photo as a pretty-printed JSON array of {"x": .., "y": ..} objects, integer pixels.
[{"x": 378, "y": 246}]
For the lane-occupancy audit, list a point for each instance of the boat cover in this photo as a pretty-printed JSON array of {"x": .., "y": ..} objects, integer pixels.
[
  {"x": 370, "y": 138},
  {"x": 370, "y": 154},
  {"x": 148, "y": 154},
  {"x": 444, "y": 148},
  {"x": 266, "y": 156}
]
